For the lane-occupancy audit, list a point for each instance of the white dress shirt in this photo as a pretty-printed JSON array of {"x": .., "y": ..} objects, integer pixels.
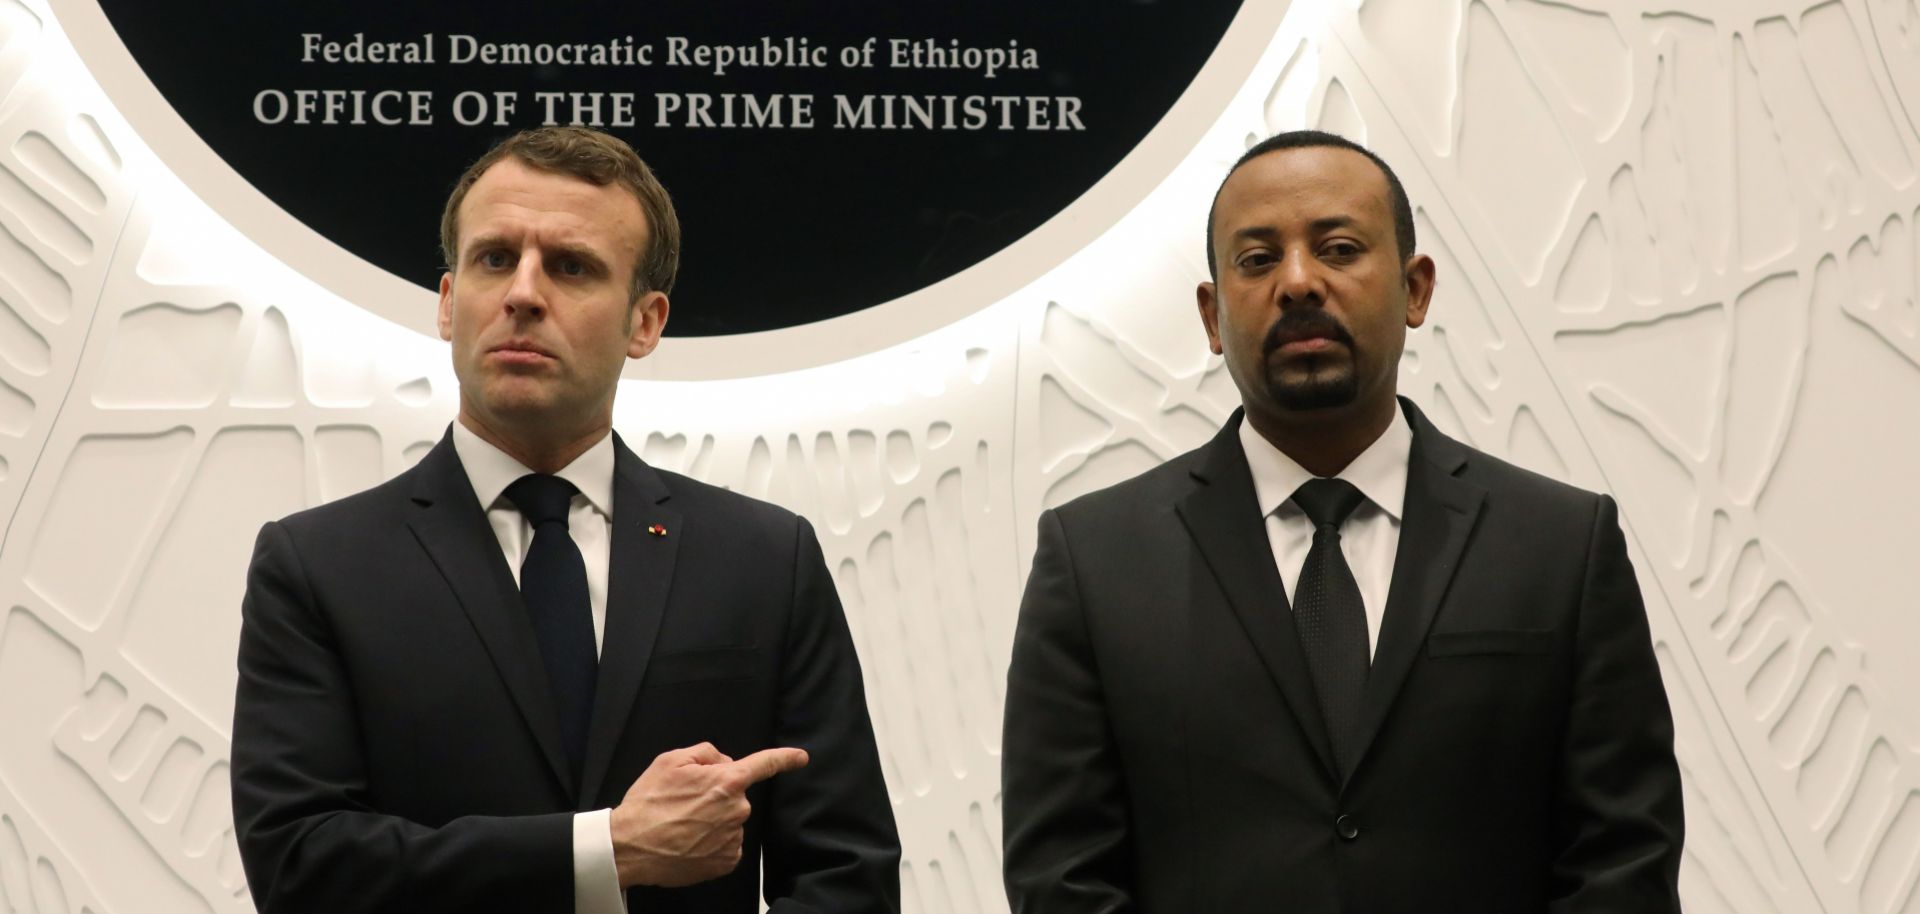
[
  {"x": 596, "y": 881},
  {"x": 1369, "y": 539}
]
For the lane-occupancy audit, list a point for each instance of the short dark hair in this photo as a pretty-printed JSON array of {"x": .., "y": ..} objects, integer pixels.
[
  {"x": 1300, "y": 139},
  {"x": 598, "y": 159}
]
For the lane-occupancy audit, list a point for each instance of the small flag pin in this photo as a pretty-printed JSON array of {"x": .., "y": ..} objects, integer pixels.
[{"x": 657, "y": 529}]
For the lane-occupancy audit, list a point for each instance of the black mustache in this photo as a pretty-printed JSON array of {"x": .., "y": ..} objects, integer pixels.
[{"x": 1306, "y": 323}]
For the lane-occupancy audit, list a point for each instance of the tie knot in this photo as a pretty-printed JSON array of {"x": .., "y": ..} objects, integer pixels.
[
  {"x": 1327, "y": 501},
  {"x": 541, "y": 498}
]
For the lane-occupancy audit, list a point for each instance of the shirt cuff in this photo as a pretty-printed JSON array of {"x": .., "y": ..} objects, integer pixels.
[{"x": 596, "y": 881}]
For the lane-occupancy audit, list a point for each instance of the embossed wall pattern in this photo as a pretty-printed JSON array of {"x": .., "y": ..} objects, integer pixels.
[{"x": 1677, "y": 257}]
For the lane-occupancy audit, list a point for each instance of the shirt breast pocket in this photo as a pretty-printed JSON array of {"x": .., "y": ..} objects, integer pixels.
[
  {"x": 704, "y": 664},
  {"x": 1490, "y": 641}
]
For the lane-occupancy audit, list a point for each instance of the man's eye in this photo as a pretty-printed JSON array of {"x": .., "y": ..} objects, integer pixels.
[
  {"x": 571, "y": 267},
  {"x": 1341, "y": 249},
  {"x": 494, "y": 260},
  {"x": 1256, "y": 259}
]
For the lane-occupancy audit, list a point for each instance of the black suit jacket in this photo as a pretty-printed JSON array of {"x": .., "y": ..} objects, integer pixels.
[
  {"x": 1164, "y": 751},
  {"x": 395, "y": 746}
]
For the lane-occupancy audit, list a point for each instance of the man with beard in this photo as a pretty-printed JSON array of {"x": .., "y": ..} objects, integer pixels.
[
  {"x": 529, "y": 674},
  {"x": 1333, "y": 660}
]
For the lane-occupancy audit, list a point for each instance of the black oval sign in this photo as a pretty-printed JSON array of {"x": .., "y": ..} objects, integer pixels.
[{"x": 824, "y": 157}]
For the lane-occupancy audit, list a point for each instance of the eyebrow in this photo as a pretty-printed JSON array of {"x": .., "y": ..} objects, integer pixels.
[
  {"x": 1318, "y": 226},
  {"x": 582, "y": 254},
  {"x": 578, "y": 252},
  {"x": 482, "y": 242}
]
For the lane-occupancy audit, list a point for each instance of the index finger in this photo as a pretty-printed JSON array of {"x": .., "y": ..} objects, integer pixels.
[{"x": 768, "y": 762}]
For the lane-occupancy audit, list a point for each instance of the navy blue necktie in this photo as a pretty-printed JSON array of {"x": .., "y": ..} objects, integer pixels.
[
  {"x": 553, "y": 584},
  {"x": 1330, "y": 618}
]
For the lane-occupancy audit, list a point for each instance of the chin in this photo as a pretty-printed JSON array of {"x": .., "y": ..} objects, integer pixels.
[
  {"x": 516, "y": 401},
  {"x": 1317, "y": 391},
  {"x": 1312, "y": 403}
]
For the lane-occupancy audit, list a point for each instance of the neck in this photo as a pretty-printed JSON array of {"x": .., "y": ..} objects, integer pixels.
[
  {"x": 541, "y": 453},
  {"x": 1324, "y": 442}
]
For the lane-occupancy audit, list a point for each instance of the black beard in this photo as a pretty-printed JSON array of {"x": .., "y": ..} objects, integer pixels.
[
  {"x": 1327, "y": 389},
  {"x": 1329, "y": 383}
]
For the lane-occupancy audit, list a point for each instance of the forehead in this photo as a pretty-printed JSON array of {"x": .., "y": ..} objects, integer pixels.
[
  {"x": 1302, "y": 184},
  {"x": 512, "y": 197}
]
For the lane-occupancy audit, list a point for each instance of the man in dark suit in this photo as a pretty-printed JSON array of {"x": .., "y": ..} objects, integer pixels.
[
  {"x": 1333, "y": 660},
  {"x": 532, "y": 673}
]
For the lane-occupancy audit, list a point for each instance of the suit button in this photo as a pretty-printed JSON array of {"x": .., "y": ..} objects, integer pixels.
[{"x": 1346, "y": 828}]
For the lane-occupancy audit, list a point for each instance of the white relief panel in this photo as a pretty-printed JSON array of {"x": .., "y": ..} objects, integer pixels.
[{"x": 1677, "y": 257}]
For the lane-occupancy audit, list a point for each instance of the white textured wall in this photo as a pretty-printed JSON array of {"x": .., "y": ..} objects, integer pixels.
[{"x": 1677, "y": 262}]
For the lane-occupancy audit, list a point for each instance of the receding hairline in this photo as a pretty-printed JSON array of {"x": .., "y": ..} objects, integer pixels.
[
  {"x": 599, "y": 159},
  {"x": 1385, "y": 198},
  {"x": 645, "y": 224},
  {"x": 1399, "y": 207}
]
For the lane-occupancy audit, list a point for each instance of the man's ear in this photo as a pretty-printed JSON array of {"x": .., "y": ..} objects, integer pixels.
[
  {"x": 446, "y": 306},
  {"x": 1207, "y": 296},
  {"x": 1420, "y": 279},
  {"x": 649, "y": 320}
]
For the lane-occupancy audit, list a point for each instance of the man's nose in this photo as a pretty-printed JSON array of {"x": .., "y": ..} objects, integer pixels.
[
  {"x": 1300, "y": 281},
  {"x": 526, "y": 294}
]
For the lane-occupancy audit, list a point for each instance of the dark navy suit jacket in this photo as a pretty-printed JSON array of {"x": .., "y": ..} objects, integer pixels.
[
  {"x": 395, "y": 746},
  {"x": 1164, "y": 751}
]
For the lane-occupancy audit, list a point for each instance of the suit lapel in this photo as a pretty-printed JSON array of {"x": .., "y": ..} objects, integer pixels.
[
  {"x": 1438, "y": 516},
  {"x": 639, "y": 575},
  {"x": 452, "y": 527},
  {"x": 1223, "y": 517}
]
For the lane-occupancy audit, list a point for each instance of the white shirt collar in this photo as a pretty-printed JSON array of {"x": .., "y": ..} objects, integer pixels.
[
  {"x": 1380, "y": 472},
  {"x": 491, "y": 470}
]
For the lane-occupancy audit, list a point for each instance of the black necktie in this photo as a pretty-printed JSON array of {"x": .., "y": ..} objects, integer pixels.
[
  {"x": 553, "y": 583},
  {"x": 1329, "y": 616}
]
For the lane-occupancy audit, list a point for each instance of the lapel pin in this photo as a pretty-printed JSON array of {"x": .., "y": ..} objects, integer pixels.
[{"x": 657, "y": 529}]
